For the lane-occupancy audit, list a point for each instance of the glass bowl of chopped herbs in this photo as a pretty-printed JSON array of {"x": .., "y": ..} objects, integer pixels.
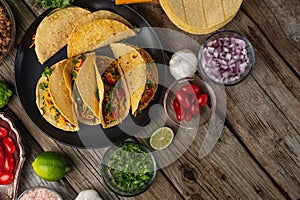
[{"x": 128, "y": 169}]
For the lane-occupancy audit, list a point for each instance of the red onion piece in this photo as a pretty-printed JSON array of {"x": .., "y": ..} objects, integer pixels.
[{"x": 225, "y": 59}]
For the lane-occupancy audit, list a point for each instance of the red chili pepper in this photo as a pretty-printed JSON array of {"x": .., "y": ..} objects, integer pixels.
[
  {"x": 9, "y": 163},
  {"x": 2, "y": 156},
  {"x": 3, "y": 132},
  {"x": 202, "y": 99},
  {"x": 6, "y": 178},
  {"x": 9, "y": 145}
]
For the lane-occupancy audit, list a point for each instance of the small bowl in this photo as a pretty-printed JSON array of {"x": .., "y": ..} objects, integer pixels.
[
  {"x": 108, "y": 168},
  {"x": 39, "y": 188},
  {"x": 11, "y": 18},
  {"x": 205, "y": 111},
  {"x": 226, "y": 63},
  {"x": 11, "y": 189}
]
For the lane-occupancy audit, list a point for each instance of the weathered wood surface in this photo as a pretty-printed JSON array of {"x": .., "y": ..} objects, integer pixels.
[{"x": 257, "y": 156}]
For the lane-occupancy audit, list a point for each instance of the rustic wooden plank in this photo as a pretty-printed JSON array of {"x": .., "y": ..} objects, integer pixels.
[
  {"x": 227, "y": 172},
  {"x": 279, "y": 21},
  {"x": 264, "y": 112},
  {"x": 27, "y": 173}
]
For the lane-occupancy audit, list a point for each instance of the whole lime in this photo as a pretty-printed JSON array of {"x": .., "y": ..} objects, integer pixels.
[{"x": 50, "y": 166}]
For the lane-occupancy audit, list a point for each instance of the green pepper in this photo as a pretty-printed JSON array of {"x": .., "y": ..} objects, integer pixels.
[{"x": 5, "y": 94}]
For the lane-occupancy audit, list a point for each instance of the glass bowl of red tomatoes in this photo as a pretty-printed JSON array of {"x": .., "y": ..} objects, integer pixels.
[{"x": 189, "y": 102}]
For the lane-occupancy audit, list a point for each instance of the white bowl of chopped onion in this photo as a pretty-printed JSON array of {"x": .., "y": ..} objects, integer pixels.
[{"x": 226, "y": 57}]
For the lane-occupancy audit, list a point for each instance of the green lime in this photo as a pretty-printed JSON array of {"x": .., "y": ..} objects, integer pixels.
[
  {"x": 50, "y": 166},
  {"x": 161, "y": 138}
]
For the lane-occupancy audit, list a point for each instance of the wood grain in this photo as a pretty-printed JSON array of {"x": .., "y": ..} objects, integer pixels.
[{"x": 257, "y": 156}]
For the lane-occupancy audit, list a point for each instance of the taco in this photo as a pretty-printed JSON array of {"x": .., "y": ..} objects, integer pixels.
[
  {"x": 100, "y": 14},
  {"x": 81, "y": 72},
  {"x": 53, "y": 104},
  {"x": 97, "y": 33},
  {"x": 134, "y": 67},
  {"x": 53, "y": 32},
  {"x": 151, "y": 81},
  {"x": 114, "y": 101}
]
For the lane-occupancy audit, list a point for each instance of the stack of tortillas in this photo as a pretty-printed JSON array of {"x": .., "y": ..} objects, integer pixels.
[{"x": 200, "y": 16}]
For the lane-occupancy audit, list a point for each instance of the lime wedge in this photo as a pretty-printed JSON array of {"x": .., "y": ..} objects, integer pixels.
[{"x": 161, "y": 138}]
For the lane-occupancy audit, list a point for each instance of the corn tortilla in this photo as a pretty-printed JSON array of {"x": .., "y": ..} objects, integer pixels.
[
  {"x": 134, "y": 68},
  {"x": 53, "y": 32},
  {"x": 100, "y": 14},
  {"x": 96, "y": 34},
  {"x": 201, "y": 16}
]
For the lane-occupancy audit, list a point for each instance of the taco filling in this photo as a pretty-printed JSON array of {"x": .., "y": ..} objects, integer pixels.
[
  {"x": 151, "y": 82},
  {"x": 114, "y": 100},
  {"x": 83, "y": 110},
  {"x": 47, "y": 106}
]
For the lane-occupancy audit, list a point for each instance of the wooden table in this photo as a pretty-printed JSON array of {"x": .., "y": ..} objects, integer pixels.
[{"x": 258, "y": 153}]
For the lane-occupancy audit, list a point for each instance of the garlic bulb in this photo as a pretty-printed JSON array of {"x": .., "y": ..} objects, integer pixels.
[
  {"x": 88, "y": 195},
  {"x": 183, "y": 64}
]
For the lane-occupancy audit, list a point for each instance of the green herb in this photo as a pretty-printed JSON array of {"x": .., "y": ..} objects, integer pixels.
[
  {"x": 47, "y": 72},
  {"x": 5, "y": 94},
  {"x": 136, "y": 29},
  {"x": 131, "y": 167},
  {"x": 56, "y": 3},
  {"x": 43, "y": 86}
]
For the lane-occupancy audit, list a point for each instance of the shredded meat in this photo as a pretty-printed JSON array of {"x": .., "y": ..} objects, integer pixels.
[{"x": 5, "y": 32}]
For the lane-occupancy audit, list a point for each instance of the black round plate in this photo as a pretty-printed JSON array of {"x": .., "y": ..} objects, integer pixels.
[{"x": 28, "y": 70}]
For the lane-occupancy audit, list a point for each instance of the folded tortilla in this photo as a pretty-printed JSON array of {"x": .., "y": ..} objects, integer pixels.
[
  {"x": 53, "y": 32},
  {"x": 99, "y": 14},
  {"x": 114, "y": 100},
  {"x": 53, "y": 103},
  {"x": 97, "y": 33},
  {"x": 84, "y": 91},
  {"x": 134, "y": 67},
  {"x": 151, "y": 81}
]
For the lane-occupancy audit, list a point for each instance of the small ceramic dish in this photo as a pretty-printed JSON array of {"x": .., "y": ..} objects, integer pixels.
[{"x": 10, "y": 190}]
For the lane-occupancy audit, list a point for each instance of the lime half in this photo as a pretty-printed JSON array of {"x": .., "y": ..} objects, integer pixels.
[
  {"x": 161, "y": 138},
  {"x": 50, "y": 166}
]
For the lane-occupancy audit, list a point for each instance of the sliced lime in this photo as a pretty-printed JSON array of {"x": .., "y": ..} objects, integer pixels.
[{"x": 161, "y": 138}]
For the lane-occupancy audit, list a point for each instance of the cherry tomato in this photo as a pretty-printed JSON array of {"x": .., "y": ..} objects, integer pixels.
[
  {"x": 3, "y": 132},
  {"x": 149, "y": 94},
  {"x": 190, "y": 89},
  {"x": 178, "y": 110},
  {"x": 2, "y": 156},
  {"x": 188, "y": 115},
  {"x": 183, "y": 99},
  {"x": 195, "y": 109},
  {"x": 9, "y": 145},
  {"x": 6, "y": 178},
  {"x": 110, "y": 79},
  {"x": 9, "y": 163},
  {"x": 202, "y": 99}
]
